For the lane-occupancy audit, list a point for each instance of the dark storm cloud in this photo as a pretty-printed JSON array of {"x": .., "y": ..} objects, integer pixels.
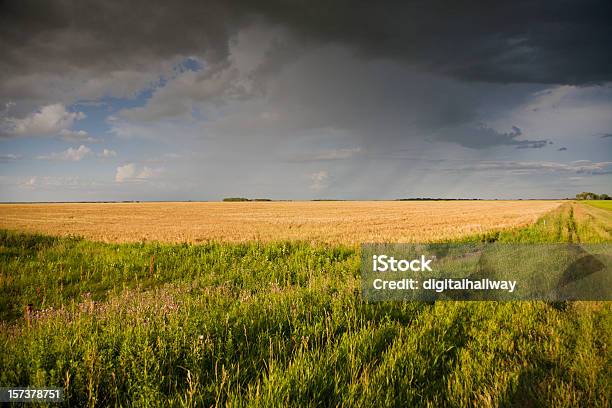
[
  {"x": 384, "y": 73},
  {"x": 96, "y": 38},
  {"x": 521, "y": 41},
  {"x": 110, "y": 34}
]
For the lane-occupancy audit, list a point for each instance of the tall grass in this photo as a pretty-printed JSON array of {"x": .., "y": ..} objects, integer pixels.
[{"x": 277, "y": 324}]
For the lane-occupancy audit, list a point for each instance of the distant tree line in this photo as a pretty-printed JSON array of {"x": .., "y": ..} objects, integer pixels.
[
  {"x": 437, "y": 199},
  {"x": 234, "y": 199},
  {"x": 586, "y": 195}
]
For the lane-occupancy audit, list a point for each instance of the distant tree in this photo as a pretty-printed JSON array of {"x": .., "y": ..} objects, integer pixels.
[
  {"x": 233, "y": 199},
  {"x": 586, "y": 195}
]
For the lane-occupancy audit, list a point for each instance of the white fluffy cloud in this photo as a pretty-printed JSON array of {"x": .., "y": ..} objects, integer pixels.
[
  {"x": 107, "y": 154},
  {"x": 48, "y": 120},
  {"x": 131, "y": 173},
  {"x": 125, "y": 172},
  {"x": 318, "y": 180},
  {"x": 70, "y": 154}
]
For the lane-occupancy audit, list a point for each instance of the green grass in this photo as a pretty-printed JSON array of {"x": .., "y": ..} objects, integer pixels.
[
  {"x": 605, "y": 204},
  {"x": 284, "y": 324}
]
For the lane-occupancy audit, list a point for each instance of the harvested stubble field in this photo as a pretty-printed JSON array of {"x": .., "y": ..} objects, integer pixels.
[{"x": 346, "y": 222}]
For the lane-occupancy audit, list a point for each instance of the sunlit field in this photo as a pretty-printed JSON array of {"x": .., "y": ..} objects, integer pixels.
[
  {"x": 605, "y": 204},
  {"x": 284, "y": 323},
  {"x": 346, "y": 222}
]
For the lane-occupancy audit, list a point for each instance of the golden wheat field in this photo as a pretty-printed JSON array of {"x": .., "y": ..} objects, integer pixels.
[{"x": 347, "y": 222}]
